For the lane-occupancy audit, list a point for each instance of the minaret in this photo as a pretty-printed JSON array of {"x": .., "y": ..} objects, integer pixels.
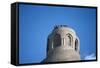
[{"x": 62, "y": 45}]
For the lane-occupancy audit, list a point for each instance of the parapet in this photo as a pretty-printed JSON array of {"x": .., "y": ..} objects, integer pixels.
[{"x": 59, "y": 26}]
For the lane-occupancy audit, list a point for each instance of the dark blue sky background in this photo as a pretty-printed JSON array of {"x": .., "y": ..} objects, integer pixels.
[{"x": 36, "y": 23}]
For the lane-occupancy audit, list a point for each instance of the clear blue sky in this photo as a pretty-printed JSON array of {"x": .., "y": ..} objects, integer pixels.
[{"x": 36, "y": 23}]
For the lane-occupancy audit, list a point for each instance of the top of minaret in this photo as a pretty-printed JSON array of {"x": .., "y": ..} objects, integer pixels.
[
  {"x": 59, "y": 26},
  {"x": 62, "y": 45},
  {"x": 63, "y": 28}
]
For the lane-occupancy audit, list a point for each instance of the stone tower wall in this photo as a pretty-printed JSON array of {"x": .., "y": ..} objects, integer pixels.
[{"x": 63, "y": 45}]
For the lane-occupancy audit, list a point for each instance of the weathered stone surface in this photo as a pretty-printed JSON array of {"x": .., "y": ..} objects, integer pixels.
[{"x": 62, "y": 45}]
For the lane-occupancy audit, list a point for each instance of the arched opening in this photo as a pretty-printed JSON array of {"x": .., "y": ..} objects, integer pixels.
[
  {"x": 57, "y": 40},
  {"x": 76, "y": 45},
  {"x": 69, "y": 39},
  {"x": 49, "y": 44}
]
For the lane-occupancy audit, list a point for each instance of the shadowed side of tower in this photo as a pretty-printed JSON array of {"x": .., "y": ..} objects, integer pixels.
[{"x": 62, "y": 45}]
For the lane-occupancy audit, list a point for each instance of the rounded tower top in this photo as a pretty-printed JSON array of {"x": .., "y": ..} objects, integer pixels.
[
  {"x": 62, "y": 30},
  {"x": 62, "y": 43},
  {"x": 62, "y": 36}
]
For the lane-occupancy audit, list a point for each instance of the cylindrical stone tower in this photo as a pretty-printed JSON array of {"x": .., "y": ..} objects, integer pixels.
[{"x": 62, "y": 45}]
